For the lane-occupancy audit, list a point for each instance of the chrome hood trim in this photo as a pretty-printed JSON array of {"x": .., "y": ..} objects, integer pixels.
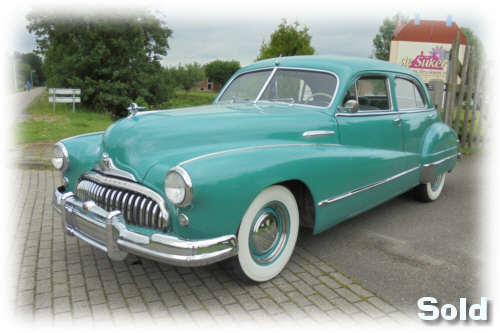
[{"x": 108, "y": 168}]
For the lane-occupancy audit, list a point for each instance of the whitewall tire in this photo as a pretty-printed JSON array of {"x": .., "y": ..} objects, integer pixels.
[
  {"x": 267, "y": 235},
  {"x": 432, "y": 190}
]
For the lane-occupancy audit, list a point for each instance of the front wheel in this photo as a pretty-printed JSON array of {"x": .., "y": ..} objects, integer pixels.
[
  {"x": 267, "y": 235},
  {"x": 430, "y": 191}
]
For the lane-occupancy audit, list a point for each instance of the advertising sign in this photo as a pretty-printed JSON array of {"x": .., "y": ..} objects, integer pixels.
[{"x": 425, "y": 59}]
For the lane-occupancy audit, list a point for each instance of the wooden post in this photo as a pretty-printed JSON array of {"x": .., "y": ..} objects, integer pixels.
[
  {"x": 456, "y": 69},
  {"x": 478, "y": 92},
  {"x": 463, "y": 80},
  {"x": 470, "y": 89},
  {"x": 451, "y": 85}
]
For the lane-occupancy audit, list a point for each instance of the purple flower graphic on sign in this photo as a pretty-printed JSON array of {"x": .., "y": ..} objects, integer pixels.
[{"x": 438, "y": 52}]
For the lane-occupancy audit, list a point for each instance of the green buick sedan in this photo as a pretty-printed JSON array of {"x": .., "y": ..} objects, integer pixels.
[{"x": 305, "y": 141}]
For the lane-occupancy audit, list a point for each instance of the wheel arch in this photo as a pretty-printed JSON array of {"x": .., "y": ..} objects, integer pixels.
[{"x": 305, "y": 201}]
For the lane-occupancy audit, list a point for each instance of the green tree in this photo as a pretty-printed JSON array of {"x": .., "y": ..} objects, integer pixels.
[
  {"x": 35, "y": 63},
  {"x": 382, "y": 40},
  {"x": 221, "y": 71},
  {"x": 287, "y": 40},
  {"x": 113, "y": 57},
  {"x": 477, "y": 44},
  {"x": 187, "y": 76}
]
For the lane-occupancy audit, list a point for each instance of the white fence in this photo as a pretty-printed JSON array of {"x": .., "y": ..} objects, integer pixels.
[{"x": 68, "y": 96}]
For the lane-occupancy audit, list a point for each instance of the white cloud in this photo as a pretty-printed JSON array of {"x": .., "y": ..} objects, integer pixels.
[{"x": 205, "y": 31}]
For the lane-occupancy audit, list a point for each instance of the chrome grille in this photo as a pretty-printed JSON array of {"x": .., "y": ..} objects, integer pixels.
[{"x": 137, "y": 208}]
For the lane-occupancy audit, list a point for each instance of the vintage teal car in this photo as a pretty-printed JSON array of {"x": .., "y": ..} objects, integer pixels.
[{"x": 297, "y": 141}]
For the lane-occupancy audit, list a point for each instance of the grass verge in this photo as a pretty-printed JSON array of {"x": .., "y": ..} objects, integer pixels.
[{"x": 47, "y": 125}]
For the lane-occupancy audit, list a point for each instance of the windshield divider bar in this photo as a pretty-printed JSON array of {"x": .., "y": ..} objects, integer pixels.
[{"x": 265, "y": 85}]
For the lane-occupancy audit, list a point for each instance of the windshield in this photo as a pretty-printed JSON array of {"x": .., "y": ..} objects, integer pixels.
[
  {"x": 245, "y": 87},
  {"x": 286, "y": 85}
]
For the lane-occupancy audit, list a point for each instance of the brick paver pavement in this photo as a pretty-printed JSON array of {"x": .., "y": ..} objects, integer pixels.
[{"x": 56, "y": 280}]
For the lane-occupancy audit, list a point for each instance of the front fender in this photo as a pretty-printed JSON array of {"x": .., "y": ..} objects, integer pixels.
[
  {"x": 84, "y": 152},
  {"x": 225, "y": 184}
]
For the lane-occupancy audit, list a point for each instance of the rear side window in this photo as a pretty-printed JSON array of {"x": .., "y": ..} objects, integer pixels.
[{"x": 408, "y": 95}]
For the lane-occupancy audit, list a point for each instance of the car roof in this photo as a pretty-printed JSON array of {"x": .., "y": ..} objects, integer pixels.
[{"x": 342, "y": 66}]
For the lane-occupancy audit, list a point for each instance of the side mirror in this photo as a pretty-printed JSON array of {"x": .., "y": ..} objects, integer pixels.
[{"x": 351, "y": 106}]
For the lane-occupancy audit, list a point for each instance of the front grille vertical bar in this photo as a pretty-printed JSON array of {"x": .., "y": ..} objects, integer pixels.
[
  {"x": 118, "y": 202},
  {"x": 99, "y": 200},
  {"x": 154, "y": 215},
  {"x": 87, "y": 189},
  {"x": 137, "y": 210},
  {"x": 84, "y": 191},
  {"x": 148, "y": 220},
  {"x": 95, "y": 193},
  {"x": 130, "y": 208},
  {"x": 124, "y": 207},
  {"x": 112, "y": 203}
]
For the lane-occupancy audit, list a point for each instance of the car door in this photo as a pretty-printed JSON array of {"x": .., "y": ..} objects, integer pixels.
[
  {"x": 374, "y": 136},
  {"x": 416, "y": 114}
]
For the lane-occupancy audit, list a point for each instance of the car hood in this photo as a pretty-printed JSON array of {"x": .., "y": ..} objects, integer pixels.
[{"x": 137, "y": 143}]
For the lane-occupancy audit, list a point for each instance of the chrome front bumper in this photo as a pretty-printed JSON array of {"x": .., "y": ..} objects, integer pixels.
[{"x": 108, "y": 232}]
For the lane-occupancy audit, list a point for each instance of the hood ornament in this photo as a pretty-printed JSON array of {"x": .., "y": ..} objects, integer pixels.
[
  {"x": 106, "y": 162},
  {"x": 134, "y": 108},
  {"x": 107, "y": 167}
]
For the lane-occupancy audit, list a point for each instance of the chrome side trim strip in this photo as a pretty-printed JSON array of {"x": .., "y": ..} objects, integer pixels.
[
  {"x": 250, "y": 148},
  {"x": 415, "y": 111},
  {"x": 367, "y": 114},
  {"x": 317, "y": 134},
  {"x": 365, "y": 188},
  {"x": 440, "y": 161}
]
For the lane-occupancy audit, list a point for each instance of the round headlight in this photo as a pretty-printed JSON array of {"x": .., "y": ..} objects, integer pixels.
[
  {"x": 178, "y": 187},
  {"x": 60, "y": 157}
]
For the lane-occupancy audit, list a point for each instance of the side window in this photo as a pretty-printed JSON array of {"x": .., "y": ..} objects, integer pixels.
[
  {"x": 371, "y": 93},
  {"x": 408, "y": 95}
]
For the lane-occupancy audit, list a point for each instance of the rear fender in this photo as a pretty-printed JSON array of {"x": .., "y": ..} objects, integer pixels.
[{"x": 439, "y": 151}]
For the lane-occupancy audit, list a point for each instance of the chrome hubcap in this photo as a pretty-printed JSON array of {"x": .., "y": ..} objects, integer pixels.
[
  {"x": 265, "y": 232},
  {"x": 269, "y": 233}
]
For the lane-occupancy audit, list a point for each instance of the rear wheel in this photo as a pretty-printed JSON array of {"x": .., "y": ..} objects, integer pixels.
[
  {"x": 430, "y": 191},
  {"x": 267, "y": 235}
]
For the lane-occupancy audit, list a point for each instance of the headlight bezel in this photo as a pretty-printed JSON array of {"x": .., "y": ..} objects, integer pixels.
[
  {"x": 61, "y": 162},
  {"x": 177, "y": 175}
]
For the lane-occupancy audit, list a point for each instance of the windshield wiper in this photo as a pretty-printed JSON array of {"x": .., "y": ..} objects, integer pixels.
[
  {"x": 234, "y": 99},
  {"x": 291, "y": 100}
]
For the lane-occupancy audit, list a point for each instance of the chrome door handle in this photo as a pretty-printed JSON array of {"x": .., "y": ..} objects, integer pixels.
[
  {"x": 397, "y": 120},
  {"x": 432, "y": 116}
]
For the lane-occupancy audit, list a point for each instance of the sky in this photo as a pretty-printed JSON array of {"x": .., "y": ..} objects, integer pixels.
[{"x": 229, "y": 30}]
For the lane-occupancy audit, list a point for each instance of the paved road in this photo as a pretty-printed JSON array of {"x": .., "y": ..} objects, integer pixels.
[
  {"x": 19, "y": 102},
  {"x": 405, "y": 250},
  {"x": 366, "y": 272},
  {"x": 60, "y": 281}
]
